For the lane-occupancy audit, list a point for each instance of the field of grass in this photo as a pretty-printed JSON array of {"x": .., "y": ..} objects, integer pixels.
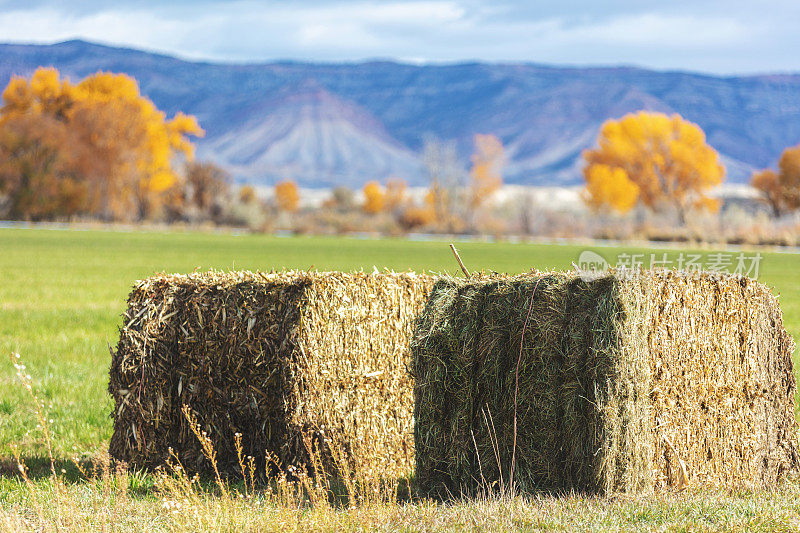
[{"x": 62, "y": 294}]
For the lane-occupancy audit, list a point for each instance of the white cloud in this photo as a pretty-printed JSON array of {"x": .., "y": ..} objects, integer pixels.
[
  {"x": 130, "y": 27},
  {"x": 426, "y": 30},
  {"x": 651, "y": 29}
]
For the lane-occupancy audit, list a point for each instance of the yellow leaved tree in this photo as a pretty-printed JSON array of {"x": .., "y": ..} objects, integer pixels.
[
  {"x": 287, "y": 196},
  {"x": 113, "y": 144},
  {"x": 487, "y": 168},
  {"x": 610, "y": 186},
  {"x": 654, "y": 159},
  {"x": 374, "y": 198}
]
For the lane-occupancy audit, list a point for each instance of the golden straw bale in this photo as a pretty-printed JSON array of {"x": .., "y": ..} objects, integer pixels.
[{"x": 273, "y": 357}]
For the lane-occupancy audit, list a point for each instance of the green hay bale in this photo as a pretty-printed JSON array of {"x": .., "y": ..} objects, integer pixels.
[
  {"x": 273, "y": 357},
  {"x": 627, "y": 383}
]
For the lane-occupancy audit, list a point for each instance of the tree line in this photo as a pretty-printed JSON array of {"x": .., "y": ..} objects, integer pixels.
[
  {"x": 99, "y": 149},
  {"x": 455, "y": 199}
]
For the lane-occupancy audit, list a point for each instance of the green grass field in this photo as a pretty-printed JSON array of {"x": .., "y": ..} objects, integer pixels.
[{"x": 62, "y": 294}]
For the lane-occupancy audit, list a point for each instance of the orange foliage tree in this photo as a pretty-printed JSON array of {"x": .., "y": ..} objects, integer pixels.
[
  {"x": 654, "y": 159},
  {"x": 111, "y": 151},
  {"x": 287, "y": 196},
  {"x": 247, "y": 194},
  {"x": 414, "y": 216},
  {"x": 35, "y": 175},
  {"x": 487, "y": 167},
  {"x": 781, "y": 189},
  {"x": 446, "y": 184},
  {"x": 407, "y": 213},
  {"x": 374, "y": 198}
]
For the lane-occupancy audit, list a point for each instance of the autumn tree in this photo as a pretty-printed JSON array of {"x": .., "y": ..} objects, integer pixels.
[
  {"x": 35, "y": 175},
  {"x": 486, "y": 175},
  {"x": 114, "y": 150},
  {"x": 767, "y": 182},
  {"x": 610, "y": 186},
  {"x": 140, "y": 143},
  {"x": 374, "y": 198},
  {"x": 415, "y": 216},
  {"x": 206, "y": 186},
  {"x": 654, "y": 159},
  {"x": 446, "y": 178},
  {"x": 287, "y": 196},
  {"x": 781, "y": 190},
  {"x": 247, "y": 194}
]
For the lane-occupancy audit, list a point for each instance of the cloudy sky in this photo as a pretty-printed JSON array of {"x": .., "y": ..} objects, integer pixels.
[{"x": 706, "y": 35}]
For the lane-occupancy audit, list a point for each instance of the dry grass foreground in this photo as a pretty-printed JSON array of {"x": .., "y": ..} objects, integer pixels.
[
  {"x": 112, "y": 499},
  {"x": 106, "y": 502}
]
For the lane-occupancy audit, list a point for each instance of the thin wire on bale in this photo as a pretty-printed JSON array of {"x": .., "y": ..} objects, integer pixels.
[
  {"x": 273, "y": 357},
  {"x": 631, "y": 382}
]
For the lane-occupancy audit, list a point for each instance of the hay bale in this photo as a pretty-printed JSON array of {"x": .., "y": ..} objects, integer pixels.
[
  {"x": 626, "y": 383},
  {"x": 269, "y": 356}
]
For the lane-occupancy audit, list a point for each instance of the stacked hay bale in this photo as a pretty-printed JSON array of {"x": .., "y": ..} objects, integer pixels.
[
  {"x": 272, "y": 357},
  {"x": 629, "y": 382}
]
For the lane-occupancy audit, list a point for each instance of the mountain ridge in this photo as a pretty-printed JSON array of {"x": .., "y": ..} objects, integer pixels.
[{"x": 369, "y": 120}]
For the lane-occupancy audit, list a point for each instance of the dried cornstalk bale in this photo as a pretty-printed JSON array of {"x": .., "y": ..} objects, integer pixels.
[
  {"x": 271, "y": 357},
  {"x": 631, "y": 382}
]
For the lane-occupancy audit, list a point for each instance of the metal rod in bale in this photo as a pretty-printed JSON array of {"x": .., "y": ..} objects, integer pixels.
[
  {"x": 272, "y": 357},
  {"x": 630, "y": 382}
]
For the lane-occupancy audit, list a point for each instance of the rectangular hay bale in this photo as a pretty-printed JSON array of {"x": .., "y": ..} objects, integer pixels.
[
  {"x": 271, "y": 356},
  {"x": 631, "y": 382}
]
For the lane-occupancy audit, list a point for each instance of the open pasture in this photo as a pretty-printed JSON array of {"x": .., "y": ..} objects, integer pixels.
[{"x": 62, "y": 294}]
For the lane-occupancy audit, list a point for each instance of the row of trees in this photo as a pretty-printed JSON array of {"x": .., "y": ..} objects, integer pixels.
[
  {"x": 651, "y": 160},
  {"x": 648, "y": 159},
  {"x": 454, "y": 201},
  {"x": 100, "y": 149}
]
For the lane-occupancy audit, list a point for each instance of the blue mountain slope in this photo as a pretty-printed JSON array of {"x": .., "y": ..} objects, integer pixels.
[{"x": 326, "y": 124}]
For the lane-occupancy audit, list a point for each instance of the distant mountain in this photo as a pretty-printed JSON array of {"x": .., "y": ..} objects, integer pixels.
[
  {"x": 306, "y": 133},
  {"x": 346, "y": 123}
]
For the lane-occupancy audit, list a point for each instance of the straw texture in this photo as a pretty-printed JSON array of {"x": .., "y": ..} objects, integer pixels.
[
  {"x": 632, "y": 382},
  {"x": 271, "y": 356}
]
